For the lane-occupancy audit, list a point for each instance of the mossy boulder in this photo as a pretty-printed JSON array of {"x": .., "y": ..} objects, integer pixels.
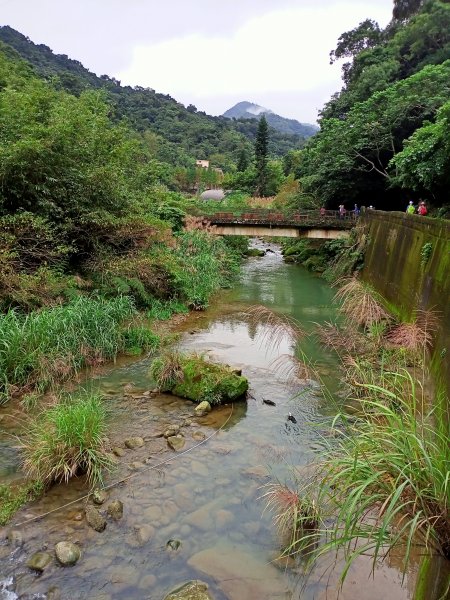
[
  {"x": 194, "y": 377},
  {"x": 255, "y": 252}
]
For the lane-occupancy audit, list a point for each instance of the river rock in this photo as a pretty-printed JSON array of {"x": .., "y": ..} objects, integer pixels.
[
  {"x": 257, "y": 473},
  {"x": 176, "y": 442},
  {"x": 53, "y": 593},
  {"x": 203, "y": 408},
  {"x": 136, "y": 465},
  {"x": 172, "y": 430},
  {"x": 134, "y": 442},
  {"x": 115, "y": 510},
  {"x": 198, "y": 436},
  {"x": 118, "y": 451},
  {"x": 99, "y": 496},
  {"x": 15, "y": 538},
  {"x": 67, "y": 553},
  {"x": 238, "y": 574},
  {"x": 39, "y": 561},
  {"x": 95, "y": 519},
  {"x": 144, "y": 533},
  {"x": 192, "y": 590},
  {"x": 223, "y": 518}
]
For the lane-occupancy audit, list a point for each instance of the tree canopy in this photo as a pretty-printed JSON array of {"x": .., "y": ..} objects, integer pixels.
[{"x": 390, "y": 110}]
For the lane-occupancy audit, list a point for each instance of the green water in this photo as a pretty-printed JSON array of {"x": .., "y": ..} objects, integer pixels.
[{"x": 209, "y": 499}]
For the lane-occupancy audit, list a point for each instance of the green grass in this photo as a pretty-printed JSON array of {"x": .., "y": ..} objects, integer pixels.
[
  {"x": 46, "y": 346},
  {"x": 162, "y": 310},
  {"x": 138, "y": 339},
  {"x": 66, "y": 440},
  {"x": 12, "y": 497},
  {"x": 383, "y": 482}
]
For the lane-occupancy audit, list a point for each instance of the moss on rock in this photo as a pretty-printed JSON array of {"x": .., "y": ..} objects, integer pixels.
[{"x": 192, "y": 376}]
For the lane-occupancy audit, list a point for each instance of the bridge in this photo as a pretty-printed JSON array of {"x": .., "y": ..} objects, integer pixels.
[{"x": 313, "y": 224}]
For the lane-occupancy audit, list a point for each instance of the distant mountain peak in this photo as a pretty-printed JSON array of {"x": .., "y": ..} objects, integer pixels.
[{"x": 250, "y": 110}]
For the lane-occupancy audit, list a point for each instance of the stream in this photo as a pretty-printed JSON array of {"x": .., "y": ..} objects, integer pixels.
[{"x": 201, "y": 515}]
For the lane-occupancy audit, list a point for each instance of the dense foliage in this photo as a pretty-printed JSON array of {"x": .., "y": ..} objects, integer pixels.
[
  {"x": 177, "y": 134},
  {"x": 383, "y": 136}
]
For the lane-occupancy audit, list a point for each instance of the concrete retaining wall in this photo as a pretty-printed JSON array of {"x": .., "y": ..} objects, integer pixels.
[{"x": 396, "y": 264}]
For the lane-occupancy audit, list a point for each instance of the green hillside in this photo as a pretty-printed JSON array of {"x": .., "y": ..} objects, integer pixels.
[{"x": 179, "y": 134}]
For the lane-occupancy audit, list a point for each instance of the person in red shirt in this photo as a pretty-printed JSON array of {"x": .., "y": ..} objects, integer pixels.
[{"x": 422, "y": 209}]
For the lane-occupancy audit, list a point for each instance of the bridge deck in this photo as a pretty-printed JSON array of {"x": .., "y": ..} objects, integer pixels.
[{"x": 303, "y": 220}]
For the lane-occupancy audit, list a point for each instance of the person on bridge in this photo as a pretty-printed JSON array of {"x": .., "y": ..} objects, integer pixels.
[
  {"x": 356, "y": 211},
  {"x": 342, "y": 211},
  {"x": 422, "y": 208},
  {"x": 322, "y": 211},
  {"x": 411, "y": 209}
]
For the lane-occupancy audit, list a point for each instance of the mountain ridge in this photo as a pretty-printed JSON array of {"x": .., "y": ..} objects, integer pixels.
[{"x": 250, "y": 110}]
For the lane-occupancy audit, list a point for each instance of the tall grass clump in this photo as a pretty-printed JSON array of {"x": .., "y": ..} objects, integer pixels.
[
  {"x": 201, "y": 265},
  {"x": 360, "y": 303},
  {"x": 383, "y": 482},
  {"x": 386, "y": 482},
  {"x": 49, "y": 345},
  {"x": 66, "y": 440}
]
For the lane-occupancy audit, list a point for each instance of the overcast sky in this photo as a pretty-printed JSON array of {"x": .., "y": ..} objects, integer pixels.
[{"x": 211, "y": 53}]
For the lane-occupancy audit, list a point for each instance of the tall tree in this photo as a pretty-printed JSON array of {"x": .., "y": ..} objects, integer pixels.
[
  {"x": 261, "y": 156},
  {"x": 404, "y": 9}
]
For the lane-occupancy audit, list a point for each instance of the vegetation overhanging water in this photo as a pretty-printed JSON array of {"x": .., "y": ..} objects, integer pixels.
[{"x": 210, "y": 499}]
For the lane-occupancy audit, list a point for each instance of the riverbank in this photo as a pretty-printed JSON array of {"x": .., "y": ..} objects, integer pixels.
[{"x": 210, "y": 498}]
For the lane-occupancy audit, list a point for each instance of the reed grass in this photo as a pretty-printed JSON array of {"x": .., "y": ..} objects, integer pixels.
[
  {"x": 68, "y": 439},
  {"x": 360, "y": 303},
  {"x": 49, "y": 345},
  {"x": 383, "y": 481}
]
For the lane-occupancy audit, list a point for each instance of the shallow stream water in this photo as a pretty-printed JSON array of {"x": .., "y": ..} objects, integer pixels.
[{"x": 208, "y": 499}]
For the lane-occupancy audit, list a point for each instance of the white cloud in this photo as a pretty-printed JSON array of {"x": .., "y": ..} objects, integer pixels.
[{"x": 280, "y": 51}]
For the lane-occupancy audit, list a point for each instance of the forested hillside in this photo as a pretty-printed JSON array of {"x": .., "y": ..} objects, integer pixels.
[
  {"x": 384, "y": 138},
  {"x": 178, "y": 134}
]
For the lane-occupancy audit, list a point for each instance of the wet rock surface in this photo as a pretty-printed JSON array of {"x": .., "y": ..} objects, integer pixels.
[
  {"x": 115, "y": 510},
  {"x": 39, "y": 561},
  {"x": 176, "y": 442},
  {"x": 99, "y": 496},
  {"x": 95, "y": 519},
  {"x": 203, "y": 408},
  {"x": 67, "y": 553},
  {"x": 134, "y": 442},
  {"x": 192, "y": 590}
]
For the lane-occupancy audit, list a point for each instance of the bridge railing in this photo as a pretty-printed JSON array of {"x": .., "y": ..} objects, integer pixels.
[{"x": 268, "y": 216}]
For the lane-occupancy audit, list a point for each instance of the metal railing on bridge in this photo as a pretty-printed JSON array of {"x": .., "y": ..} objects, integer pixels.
[{"x": 258, "y": 216}]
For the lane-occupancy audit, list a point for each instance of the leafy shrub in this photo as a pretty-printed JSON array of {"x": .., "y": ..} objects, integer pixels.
[{"x": 66, "y": 440}]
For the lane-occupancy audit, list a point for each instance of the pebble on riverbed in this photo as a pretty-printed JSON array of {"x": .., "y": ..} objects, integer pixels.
[
  {"x": 99, "y": 496},
  {"x": 135, "y": 442},
  {"x": 176, "y": 442},
  {"x": 115, "y": 510}
]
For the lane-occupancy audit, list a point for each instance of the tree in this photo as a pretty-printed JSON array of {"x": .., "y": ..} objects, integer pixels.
[
  {"x": 242, "y": 161},
  {"x": 404, "y": 9},
  {"x": 261, "y": 156},
  {"x": 424, "y": 163},
  {"x": 351, "y": 43}
]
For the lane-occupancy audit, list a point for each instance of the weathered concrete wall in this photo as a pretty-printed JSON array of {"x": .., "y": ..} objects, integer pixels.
[
  {"x": 394, "y": 264},
  {"x": 274, "y": 231}
]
